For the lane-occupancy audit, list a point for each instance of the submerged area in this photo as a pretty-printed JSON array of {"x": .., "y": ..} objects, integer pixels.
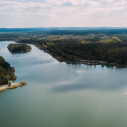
[{"x": 62, "y": 95}]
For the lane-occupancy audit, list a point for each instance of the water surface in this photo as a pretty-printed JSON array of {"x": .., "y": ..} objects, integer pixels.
[{"x": 62, "y": 95}]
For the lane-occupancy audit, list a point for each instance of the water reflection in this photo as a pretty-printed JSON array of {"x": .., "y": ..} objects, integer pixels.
[
  {"x": 61, "y": 95},
  {"x": 102, "y": 79},
  {"x": 102, "y": 87}
]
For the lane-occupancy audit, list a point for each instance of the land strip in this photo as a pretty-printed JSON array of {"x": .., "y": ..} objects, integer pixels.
[{"x": 13, "y": 86}]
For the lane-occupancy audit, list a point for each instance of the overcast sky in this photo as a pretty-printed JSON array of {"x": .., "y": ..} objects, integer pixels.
[{"x": 63, "y": 13}]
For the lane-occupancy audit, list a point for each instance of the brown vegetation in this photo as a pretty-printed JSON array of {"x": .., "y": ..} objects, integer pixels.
[
  {"x": 1, "y": 90},
  {"x": 22, "y": 84}
]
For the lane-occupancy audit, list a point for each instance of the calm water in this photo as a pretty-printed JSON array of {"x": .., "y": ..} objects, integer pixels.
[{"x": 62, "y": 95}]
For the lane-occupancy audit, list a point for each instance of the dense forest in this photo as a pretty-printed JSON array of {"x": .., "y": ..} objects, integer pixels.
[
  {"x": 19, "y": 48},
  {"x": 6, "y": 72},
  {"x": 75, "y": 44},
  {"x": 110, "y": 52}
]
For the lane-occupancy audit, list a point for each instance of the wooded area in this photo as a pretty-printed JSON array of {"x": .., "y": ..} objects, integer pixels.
[
  {"x": 18, "y": 48},
  {"x": 72, "y": 44},
  {"x": 6, "y": 72}
]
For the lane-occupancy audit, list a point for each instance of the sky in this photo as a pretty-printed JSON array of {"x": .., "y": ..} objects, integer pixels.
[{"x": 63, "y": 13}]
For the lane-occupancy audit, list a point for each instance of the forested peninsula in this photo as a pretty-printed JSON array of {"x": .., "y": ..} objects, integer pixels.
[
  {"x": 6, "y": 72},
  {"x": 16, "y": 48},
  {"x": 101, "y": 49}
]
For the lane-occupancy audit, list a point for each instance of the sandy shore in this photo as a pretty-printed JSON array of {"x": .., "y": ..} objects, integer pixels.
[{"x": 13, "y": 86}]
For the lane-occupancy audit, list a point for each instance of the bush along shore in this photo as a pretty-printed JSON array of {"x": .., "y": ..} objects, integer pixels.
[{"x": 19, "y": 48}]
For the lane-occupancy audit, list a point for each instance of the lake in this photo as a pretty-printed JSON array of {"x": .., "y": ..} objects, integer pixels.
[{"x": 62, "y": 95}]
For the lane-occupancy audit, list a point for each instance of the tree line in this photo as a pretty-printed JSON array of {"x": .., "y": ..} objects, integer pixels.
[{"x": 6, "y": 72}]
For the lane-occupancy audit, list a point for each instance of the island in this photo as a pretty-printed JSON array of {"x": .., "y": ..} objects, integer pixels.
[{"x": 19, "y": 48}]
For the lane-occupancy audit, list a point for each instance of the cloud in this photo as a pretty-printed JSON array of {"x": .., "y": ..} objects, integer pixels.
[{"x": 63, "y": 12}]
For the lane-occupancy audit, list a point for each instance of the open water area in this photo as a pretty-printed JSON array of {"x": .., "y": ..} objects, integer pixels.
[{"x": 62, "y": 95}]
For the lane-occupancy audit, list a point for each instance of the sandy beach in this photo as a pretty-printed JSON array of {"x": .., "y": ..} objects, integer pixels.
[{"x": 13, "y": 86}]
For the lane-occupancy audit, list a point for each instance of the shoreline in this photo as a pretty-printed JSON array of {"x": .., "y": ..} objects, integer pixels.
[
  {"x": 77, "y": 61},
  {"x": 21, "y": 51},
  {"x": 13, "y": 86},
  {"x": 80, "y": 61}
]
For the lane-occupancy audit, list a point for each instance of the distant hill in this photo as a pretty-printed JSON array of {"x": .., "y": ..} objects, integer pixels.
[{"x": 69, "y": 30}]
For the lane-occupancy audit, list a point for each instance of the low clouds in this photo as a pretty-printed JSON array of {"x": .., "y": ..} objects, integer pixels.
[{"x": 58, "y": 13}]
